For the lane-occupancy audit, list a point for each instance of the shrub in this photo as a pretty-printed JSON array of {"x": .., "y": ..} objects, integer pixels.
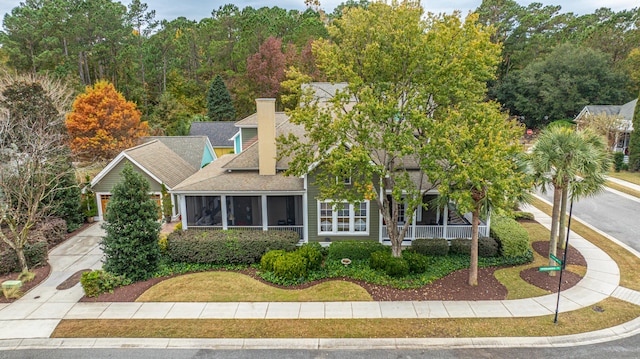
[
  {"x": 354, "y": 250},
  {"x": 291, "y": 265},
  {"x": 513, "y": 240},
  {"x": 625, "y": 166},
  {"x": 97, "y": 282},
  {"x": 54, "y": 230},
  {"x": 378, "y": 260},
  {"x": 163, "y": 243},
  {"x": 417, "y": 262},
  {"x": 227, "y": 247},
  {"x": 131, "y": 223},
  {"x": 397, "y": 267},
  {"x": 523, "y": 215},
  {"x": 487, "y": 247},
  {"x": 460, "y": 246},
  {"x": 313, "y": 253},
  {"x": 430, "y": 246},
  {"x": 178, "y": 227},
  {"x": 268, "y": 259},
  {"x": 36, "y": 255},
  {"x": 618, "y": 161}
]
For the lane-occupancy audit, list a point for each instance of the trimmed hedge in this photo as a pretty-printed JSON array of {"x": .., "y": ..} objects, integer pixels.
[
  {"x": 393, "y": 266},
  {"x": 512, "y": 238},
  {"x": 460, "y": 246},
  {"x": 430, "y": 246},
  {"x": 227, "y": 247},
  {"x": 313, "y": 253},
  {"x": 36, "y": 255},
  {"x": 290, "y": 265},
  {"x": 488, "y": 247},
  {"x": 418, "y": 263},
  {"x": 523, "y": 215},
  {"x": 354, "y": 250}
]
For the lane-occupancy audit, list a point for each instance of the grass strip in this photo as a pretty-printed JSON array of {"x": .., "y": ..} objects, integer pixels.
[
  {"x": 608, "y": 313},
  {"x": 628, "y": 263},
  {"x": 623, "y": 189},
  {"x": 633, "y": 177},
  {"x": 236, "y": 287}
]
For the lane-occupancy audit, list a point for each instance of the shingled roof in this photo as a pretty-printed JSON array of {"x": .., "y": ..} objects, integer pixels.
[
  {"x": 219, "y": 132},
  {"x": 189, "y": 148}
]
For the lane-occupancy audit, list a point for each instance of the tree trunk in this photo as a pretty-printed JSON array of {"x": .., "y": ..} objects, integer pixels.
[
  {"x": 22, "y": 260},
  {"x": 473, "y": 265},
  {"x": 553, "y": 240},
  {"x": 562, "y": 230}
]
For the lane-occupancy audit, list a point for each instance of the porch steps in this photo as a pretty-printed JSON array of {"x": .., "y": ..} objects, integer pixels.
[{"x": 455, "y": 218}]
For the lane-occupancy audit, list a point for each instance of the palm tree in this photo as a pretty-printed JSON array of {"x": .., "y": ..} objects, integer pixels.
[{"x": 571, "y": 162}]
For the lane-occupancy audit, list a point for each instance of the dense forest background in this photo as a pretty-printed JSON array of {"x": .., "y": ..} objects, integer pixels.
[{"x": 553, "y": 63}]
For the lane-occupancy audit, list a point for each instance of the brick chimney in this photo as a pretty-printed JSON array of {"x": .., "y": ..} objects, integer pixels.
[{"x": 266, "y": 112}]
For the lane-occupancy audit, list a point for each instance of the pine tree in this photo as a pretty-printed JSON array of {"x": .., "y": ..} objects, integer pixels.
[
  {"x": 634, "y": 141},
  {"x": 131, "y": 244},
  {"x": 219, "y": 104}
]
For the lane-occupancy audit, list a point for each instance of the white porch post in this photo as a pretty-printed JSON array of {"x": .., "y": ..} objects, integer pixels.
[
  {"x": 380, "y": 218},
  {"x": 265, "y": 217},
  {"x": 305, "y": 213},
  {"x": 183, "y": 210},
  {"x": 413, "y": 225},
  {"x": 445, "y": 219},
  {"x": 223, "y": 209}
]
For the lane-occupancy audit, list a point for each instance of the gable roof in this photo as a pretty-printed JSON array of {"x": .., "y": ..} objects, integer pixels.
[
  {"x": 218, "y": 132},
  {"x": 216, "y": 178},
  {"x": 189, "y": 148},
  {"x": 156, "y": 160},
  {"x": 624, "y": 112}
]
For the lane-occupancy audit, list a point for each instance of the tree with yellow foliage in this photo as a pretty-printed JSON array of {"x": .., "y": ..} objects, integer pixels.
[{"x": 102, "y": 123}]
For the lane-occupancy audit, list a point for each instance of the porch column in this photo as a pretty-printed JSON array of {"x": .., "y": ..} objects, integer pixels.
[
  {"x": 223, "y": 209},
  {"x": 413, "y": 225},
  {"x": 265, "y": 217},
  {"x": 305, "y": 213},
  {"x": 183, "y": 210},
  {"x": 445, "y": 219}
]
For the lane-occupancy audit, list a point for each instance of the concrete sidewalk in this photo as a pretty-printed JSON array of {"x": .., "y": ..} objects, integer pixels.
[
  {"x": 627, "y": 184},
  {"x": 29, "y": 322}
]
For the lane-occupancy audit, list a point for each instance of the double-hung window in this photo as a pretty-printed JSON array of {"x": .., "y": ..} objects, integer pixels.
[{"x": 343, "y": 218}]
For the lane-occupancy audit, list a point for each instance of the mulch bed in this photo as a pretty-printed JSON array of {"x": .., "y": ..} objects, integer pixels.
[
  {"x": 41, "y": 274},
  {"x": 452, "y": 287}
]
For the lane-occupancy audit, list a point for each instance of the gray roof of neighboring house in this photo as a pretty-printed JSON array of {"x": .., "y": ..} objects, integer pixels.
[
  {"x": 216, "y": 178},
  {"x": 189, "y": 148},
  {"x": 252, "y": 120},
  {"x": 219, "y": 132},
  {"x": 324, "y": 91},
  {"x": 162, "y": 162},
  {"x": 625, "y": 112}
]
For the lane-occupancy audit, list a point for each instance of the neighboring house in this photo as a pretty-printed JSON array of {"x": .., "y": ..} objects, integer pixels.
[
  {"x": 161, "y": 160},
  {"x": 249, "y": 191},
  {"x": 220, "y": 133},
  {"x": 622, "y": 112}
]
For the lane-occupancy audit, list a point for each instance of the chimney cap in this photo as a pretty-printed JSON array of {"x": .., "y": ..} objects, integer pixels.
[{"x": 265, "y": 99}]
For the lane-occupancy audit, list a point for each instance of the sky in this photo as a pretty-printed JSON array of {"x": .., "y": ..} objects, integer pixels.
[{"x": 198, "y": 9}]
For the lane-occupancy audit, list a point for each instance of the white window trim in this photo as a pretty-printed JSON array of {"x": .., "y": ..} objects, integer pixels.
[{"x": 334, "y": 223}]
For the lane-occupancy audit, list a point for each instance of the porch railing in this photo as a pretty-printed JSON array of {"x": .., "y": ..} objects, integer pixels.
[{"x": 453, "y": 231}]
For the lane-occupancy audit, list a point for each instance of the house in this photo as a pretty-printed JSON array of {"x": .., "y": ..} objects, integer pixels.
[
  {"x": 221, "y": 135},
  {"x": 161, "y": 160},
  {"x": 249, "y": 191},
  {"x": 622, "y": 112}
]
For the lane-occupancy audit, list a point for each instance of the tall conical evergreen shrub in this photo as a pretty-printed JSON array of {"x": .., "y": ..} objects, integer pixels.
[
  {"x": 219, "y": 104},
  {"x": 131, "y": 244}
]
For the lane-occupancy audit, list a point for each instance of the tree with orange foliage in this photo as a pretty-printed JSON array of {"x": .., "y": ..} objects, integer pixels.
[{"x": 102, "y": 123}]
